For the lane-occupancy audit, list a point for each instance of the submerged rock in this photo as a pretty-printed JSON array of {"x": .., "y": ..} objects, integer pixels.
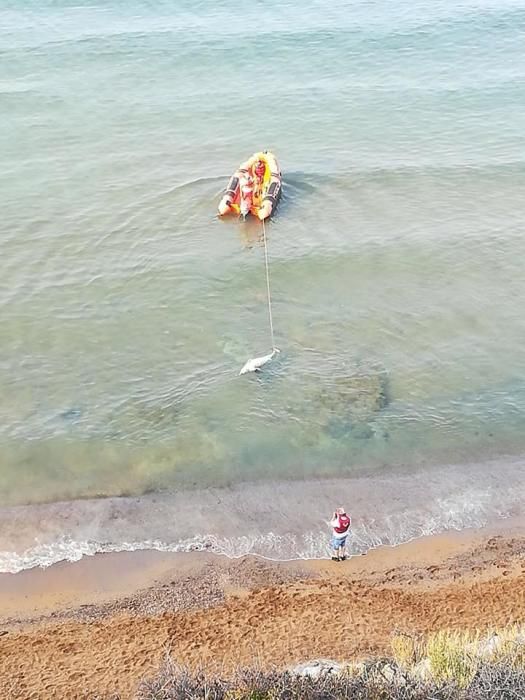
[
  {"x": 358, "y": 396},
  {"x": 348, "y": 404},
  {"x": 337, "y": 429}
]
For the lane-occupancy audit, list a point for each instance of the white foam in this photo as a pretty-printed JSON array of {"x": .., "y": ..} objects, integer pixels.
[
  {"x": 392, "y": 531},
  {"x": 278, "y": 520}
]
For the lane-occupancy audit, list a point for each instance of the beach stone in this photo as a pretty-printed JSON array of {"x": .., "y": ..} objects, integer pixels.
[
  {"x": 422, "y": 670},
  {"x": 487, "y": 647},
  {"x": 318, "y": 668}
]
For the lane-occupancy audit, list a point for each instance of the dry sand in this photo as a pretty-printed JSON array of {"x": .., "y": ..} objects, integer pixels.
[{"x": 95, "y": 628}]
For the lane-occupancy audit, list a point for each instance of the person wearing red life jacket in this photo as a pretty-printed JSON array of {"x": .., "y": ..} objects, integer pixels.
[{"x": 340, "y": 524}]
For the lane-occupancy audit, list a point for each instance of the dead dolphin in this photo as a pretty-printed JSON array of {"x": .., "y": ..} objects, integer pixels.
[{"x": 256, "y": 363}]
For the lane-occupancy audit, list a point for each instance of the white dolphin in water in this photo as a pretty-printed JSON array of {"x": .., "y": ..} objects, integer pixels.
[{"x": 256, "y": 363}]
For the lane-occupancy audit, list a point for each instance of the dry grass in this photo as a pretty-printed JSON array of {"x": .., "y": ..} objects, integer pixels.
[
  {"x": 457, "y": 656},
  {"x": 407, "y": 649},
  {"x": 463, "y": 666},
  {"x": 453, "y": 657},
  {"x": 508, "y": 647},
  {"x": 491, "y": 682}
]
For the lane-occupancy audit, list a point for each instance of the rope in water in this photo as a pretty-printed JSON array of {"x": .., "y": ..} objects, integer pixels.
[{"x": 268, "y": 283}]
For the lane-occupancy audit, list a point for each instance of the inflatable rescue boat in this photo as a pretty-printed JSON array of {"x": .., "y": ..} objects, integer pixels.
[{"x": 254, "y": 188}]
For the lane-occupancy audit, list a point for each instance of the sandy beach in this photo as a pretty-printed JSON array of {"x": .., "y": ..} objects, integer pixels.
[{"x": 95, "y": 628}]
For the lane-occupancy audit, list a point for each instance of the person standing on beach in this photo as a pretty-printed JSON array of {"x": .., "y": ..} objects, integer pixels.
[{"x": 340, "y": 524}]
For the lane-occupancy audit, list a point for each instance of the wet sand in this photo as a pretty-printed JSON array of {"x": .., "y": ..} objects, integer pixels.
[{"x": 100, "y": 625}]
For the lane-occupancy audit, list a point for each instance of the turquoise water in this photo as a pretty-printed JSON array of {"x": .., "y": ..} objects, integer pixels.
[{"x": 396, "y": 253}]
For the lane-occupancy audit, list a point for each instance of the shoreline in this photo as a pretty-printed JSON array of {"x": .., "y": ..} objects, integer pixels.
[
  {"x": 109, "y": 620},
  {"x": 99, "y": 579},
  {"x": 280, "y": 520}
]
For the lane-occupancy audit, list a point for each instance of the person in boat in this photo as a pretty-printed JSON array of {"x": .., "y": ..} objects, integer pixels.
[
  {"x": 246, "y": 189},
  {"x": 258, "y": 177},
  {"x": 340, "y": 524}
]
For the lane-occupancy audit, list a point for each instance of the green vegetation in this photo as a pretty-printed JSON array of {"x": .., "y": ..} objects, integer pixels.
[{"x": 445, "y": 666}]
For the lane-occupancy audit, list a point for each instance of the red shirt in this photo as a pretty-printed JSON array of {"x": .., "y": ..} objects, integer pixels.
[{"x": 341, "y": 524}]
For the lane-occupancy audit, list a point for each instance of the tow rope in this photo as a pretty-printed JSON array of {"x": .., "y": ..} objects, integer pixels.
[{"x": 255, "y": 363}]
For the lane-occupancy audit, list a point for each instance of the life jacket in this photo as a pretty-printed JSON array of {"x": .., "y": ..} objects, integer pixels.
[
  {"x": 259, "y": 170},
  {"x": 343, "y": 523}
]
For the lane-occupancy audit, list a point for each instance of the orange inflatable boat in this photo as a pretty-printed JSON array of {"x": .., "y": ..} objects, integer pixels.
[{"x": 254, "y": 188}]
